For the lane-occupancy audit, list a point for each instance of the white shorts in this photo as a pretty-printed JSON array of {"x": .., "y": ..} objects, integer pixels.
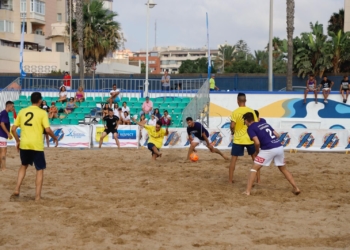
[
  {"x": 265, "y": 157},
  {"x": 326, "y": 89},
  {"x": 3, "y": 142},
  {"x": 196, "y": 139}
]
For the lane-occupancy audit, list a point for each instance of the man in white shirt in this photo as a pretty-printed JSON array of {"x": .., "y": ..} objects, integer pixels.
[
  {"x": 125, "y": 108},
  {"x": 153, "y": 120},
  {"x": 120, "y": 115},
  {"x": 165, "y": 81},
  {"x": 114, "y": 95}
]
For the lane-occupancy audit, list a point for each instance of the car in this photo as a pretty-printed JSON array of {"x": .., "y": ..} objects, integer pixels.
[{"x": 295, "y": 89}]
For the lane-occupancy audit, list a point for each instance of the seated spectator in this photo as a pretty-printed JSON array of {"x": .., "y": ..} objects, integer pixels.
[
  {"x": 115, "y": 109},
  {"x": 53, "y": 111},
  {"x": 166, "y": 119},
  {"x": 125, "y": 107},
  {"x": 147, "y": 107},
  {"x": 157, "y": 114},
  {"x": 120, "y": 115},
  {"x": 62, "y": 95},
  {"x": 114, "y": 95},
  {"x": 127, "y": 120},
  {"x": 44, "y": 106},
  {"x": 153, "y": 120},
  {"x": 326, "y": 86},
  {"x": 80, "y": 95},
  {"x": 311, "y": 86},
  {"x": 344, "y": 89},
  {"x": 70, "y": 106},
  {"x": 105, "y": 110}
]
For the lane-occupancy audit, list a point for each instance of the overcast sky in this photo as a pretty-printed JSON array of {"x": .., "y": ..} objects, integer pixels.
[{"x": 182, "y": 22}]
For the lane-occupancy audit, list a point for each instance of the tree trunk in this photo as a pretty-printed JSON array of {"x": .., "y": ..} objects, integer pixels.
[
  {"x": 80, "y": 36},
  {"x": 290, "y": 31}
]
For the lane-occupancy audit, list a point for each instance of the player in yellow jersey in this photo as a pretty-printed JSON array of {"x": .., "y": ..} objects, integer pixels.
[
  {"x": 156, "y": 136},
  {"x": 241, "y": 138},
  {"x": 32, "y": 121}
]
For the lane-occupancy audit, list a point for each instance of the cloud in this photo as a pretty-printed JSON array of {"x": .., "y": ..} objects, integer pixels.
[{"x": 182, "y": 22}]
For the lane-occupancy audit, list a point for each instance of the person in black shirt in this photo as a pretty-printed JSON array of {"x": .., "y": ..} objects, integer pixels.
[
  {"x": 111, "y": 125},
  {"x": 326, "y": 86},
  {"x": 344, "y": 89}
]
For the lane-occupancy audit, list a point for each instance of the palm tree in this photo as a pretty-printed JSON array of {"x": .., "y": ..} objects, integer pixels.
[
  {"x": 336, "y": 22},
  {"x": 290, "y": 31},
  {"x": 262, "y": 58},
  {"x": 341, "y": 48},
  {"x": 79, "y": 20},
  {"x": 226, "y": 57}
]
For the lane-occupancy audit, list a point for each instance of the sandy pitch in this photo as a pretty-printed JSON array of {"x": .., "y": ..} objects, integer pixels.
[{"x": 110, "y": 199}]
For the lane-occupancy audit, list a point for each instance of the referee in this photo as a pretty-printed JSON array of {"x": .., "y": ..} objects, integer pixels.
[{"x": 111, "y": 126}]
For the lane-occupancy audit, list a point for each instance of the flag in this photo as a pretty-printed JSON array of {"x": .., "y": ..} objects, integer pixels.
[
  {"x": 23, "y": 74},
  {"x": 209, "y": 59}
]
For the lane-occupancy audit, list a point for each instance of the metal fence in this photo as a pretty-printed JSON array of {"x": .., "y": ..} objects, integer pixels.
[
  {"x": 198, "y": 108},
  {"x": 9, "y": 93}
]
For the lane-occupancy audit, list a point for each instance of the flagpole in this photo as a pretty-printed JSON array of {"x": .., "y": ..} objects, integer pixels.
[
  {"x": 209, "y": 58},
  {"x": 22, "y": 73}
]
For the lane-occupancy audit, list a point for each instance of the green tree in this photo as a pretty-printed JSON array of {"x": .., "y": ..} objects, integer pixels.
[
  {"x": 199, "y": 65},
  {"x": 340, "y": 43},
  {"x": 336, "y": 22},
  {"x": 225, "y": 57},
  {"x": 101, "y": 33},
  {"x": 249, "y": 66},
  {"x": 290, "y": 31},
  {"x": 262, "y": 58}
]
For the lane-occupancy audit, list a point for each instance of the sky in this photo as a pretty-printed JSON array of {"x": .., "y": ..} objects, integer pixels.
[{"x": 182, "y": 22}]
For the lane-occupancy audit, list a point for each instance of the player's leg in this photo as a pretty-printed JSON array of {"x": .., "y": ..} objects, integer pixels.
[
  {"x": 347, "y": 95},
  {"x": 21, "y": 174},
  {"x": 252, "y": 177},
  {"x": 342, "y": 95},
  {"x": 305, "y": 94},
  {"x": 40, "y": 165},
  {"x": 324, "y": 92},
  {"x": 3, "y": 151},
  {"x": 47, "y": 140},
  {"x": 315, "y": 92},
  {"x": 217, "y": 151},
  {"x": 104, "y": 134},
  {"x": 115, "y": 135},
  {"x": 251, "y": 152},
  {"x": 155, "y": 152},
  {"x": 236, "y": 150},
  {"x": 193, "y": 145}
]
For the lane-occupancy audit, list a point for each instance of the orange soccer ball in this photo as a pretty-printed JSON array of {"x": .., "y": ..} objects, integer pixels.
[{"x": 194, "y": 157}]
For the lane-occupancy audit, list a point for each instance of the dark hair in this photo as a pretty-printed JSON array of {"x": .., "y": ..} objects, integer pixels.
[
  {"x": 159, "y": 123},
  {"x": 324, "y": 76},
  {"x": 114, "y": 85},
  {"x": 256, "y": 113},
  {"x": 9, "y": 103},
  {"x": 249, "y": 117},
  {"x": 311, "y": 75},
  {"x": 119, "y": 109},
  {"x": 166, "y": 111},
  {"x": 36, "y": 97},
  {"x": 345, "y": 77},
  {"x": 110, "y": 110},
  {"x": 126, "y": 112},
  {"x": 62, "y": 88},
  {"x": 240, "y": 94},
  {"x": 189, "y": 119},
  {"x": 124, "y": 102},
  {"x": 156, "y": 109}
]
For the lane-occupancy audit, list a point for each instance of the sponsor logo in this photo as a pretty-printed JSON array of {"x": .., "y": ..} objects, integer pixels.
[
  {"x": 3, "y": 143},
  {"x": 127, "y": 134},
  {"x": 188, "y": 141},
  {"x": 58, "y": 133},
  {"x": 348, "y": 146},
  {"x": 99, "y": 131},
  {"x": 285, "y": 139},
  {"x": 259, "y": 159},
  {"x": 173, "y": 139},
  {"x": 75, "y": 134},
  {"x": 306, "y": 140},
  {"x": 215, "y": 138},
  {"x": 330, "y": 141}
]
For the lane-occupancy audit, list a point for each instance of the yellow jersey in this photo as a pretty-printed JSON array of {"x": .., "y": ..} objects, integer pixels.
[
  {"x": 155, "y": 137},
  {"x": 212, "y": 83},
  {"x": 32, "y": 121},
  {"x": 241, "y": 136}
]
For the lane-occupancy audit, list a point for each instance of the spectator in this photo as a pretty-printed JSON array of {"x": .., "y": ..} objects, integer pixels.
[
  {"x": 153, "y": 120},
  {"x": 44, "y": 106},
  {"x": 114, "y": 95},
  {"x": 80, "y": 95},
  {"x": 120, "y": 116},
  {"x": 166, "y": 119},
  {"x": 53, "y": 111},
  {"x": 344, "y": 89},
  {"x": 62, "y": 95},
  {"x": 126, "y": 118},
  {"x": 326, "y": 86},
  {"x": 311, "y": 86},
  {"x": 147, "y": 107},
  {"x": 5, "y": 133},
  {"x": 67, "y": 81},
  {"x": 157, "y": 114},
  {"x": 125, "y": 108},
  {"x": 212, "y": 85},
  {"x": 115, "y": 109},
  {"x": 105, "y": 110},
  {"x": 165, "y": 81},
  {"x": 70, "y": 106}
]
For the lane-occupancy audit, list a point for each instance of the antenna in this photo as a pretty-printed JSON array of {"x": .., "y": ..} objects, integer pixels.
[{"x": 155, "y": 34}]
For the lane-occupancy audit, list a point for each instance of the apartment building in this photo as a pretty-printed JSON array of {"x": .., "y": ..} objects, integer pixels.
[{"x": 153, "y": 61}]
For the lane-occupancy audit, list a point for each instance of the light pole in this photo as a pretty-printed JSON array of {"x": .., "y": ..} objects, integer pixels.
[
  {"x": 270, "y": 46},
  {"x": 150, "y": 4}
]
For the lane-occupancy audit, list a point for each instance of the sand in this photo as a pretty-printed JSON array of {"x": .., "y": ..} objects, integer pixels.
[{"x": 118, "y": 199}]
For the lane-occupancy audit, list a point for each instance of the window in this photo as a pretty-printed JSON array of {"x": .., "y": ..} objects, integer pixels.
[
  {"x": 23, "y": 6},
  {"x": 59, "y": 17},
  {"x": 37, "y": 7},
  {"x": 39, "y": 32},
  {"x": 6, "y": 26},
  {"x": 59, "y": 47}
]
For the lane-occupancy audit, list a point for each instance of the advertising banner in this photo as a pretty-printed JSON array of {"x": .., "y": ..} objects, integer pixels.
[{"x": 128, "y": 136}]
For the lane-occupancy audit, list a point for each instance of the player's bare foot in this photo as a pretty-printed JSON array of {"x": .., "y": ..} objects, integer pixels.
[
  {"x": 231, "y": 181},
  {"x": 3, "y": 169},
  {"x": 296, "y": 191},
  {"x": 246, "y": 193},
  {"x": 14, "y": 196},
  {"x": 37, "y": 199},
  {"x": 160, "y": 155},
  {"x": 225, "y": 157}
]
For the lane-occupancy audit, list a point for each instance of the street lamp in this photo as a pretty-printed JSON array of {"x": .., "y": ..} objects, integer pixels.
[{"x": 150, "y": 4}]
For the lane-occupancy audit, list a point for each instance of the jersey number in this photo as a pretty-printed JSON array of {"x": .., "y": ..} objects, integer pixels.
[
  {"x": 31, "y": 115},
  {"x": 270, "y": 133}
]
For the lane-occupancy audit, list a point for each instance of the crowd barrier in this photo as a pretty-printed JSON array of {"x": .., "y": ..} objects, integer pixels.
[{"x": 87, "y": 136}]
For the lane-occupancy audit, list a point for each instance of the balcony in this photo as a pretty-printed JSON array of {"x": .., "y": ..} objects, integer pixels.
[
  {"x": 35, "y": 38},
  {"x": 37, "y": 17}
]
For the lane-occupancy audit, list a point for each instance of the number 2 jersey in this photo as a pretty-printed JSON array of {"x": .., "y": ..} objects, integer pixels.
[
  {"x": 32, "y": 121},
  {"x": 265, "y": 134}
]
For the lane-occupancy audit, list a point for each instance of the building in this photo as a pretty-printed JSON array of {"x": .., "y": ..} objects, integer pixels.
[
  {"x": 171, "y": 57},
  {"x": 153, "y": 61},
  {"x": 347, "y": 15}
]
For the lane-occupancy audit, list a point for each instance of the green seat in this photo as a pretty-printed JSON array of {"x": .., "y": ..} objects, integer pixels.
[
  {"x": 158, "y": 100},
  {"x": 24, "y": 104},
  {"x": 182, "y": 105},
  {"x": 91, "y": 105},
  {"x": 98, "y": 99},
  {"x": 172, "y": 105},
  {"x": 23, "y": 98},
  {"x": 65, "y": 121},
  {"x": 80, "y": 116},
  {"x": 17, "y": 102},
  {"x": 134, "y": 111},
  {"x": 142, "y": 99},
  {"x": 133, "y": 99},
  {"x": 55, "y": 122},
  {"x": 186, "y": 99},
  {"x": 74, "y": 121},
  {"x": 18, "y": 109},
  {"x": 86, "y": 111},
  {"x": 84, "y": 105},
  {"x": 89, "y": 99},
  {"x": 125, "y": 99},
  {"x": 12, "y": 120}
]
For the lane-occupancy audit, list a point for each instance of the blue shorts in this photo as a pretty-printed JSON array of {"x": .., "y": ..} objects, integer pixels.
[
  {"x": 117, "y": 99},
  {"x": 150, "y": 146},
  {"x": 28, "y": 157},
  {"x": 238, "y": 150}
]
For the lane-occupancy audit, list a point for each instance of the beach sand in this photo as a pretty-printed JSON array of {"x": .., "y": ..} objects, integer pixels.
[{"x": 119, "y": 199}]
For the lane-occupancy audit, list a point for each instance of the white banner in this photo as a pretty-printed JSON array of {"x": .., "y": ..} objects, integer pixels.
[
  {"x": 128, "y": 136},
  {"x": 69, "y": 136}
]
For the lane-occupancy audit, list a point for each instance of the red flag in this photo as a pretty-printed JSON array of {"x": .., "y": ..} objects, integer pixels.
[{"x": 14, "y": 114}]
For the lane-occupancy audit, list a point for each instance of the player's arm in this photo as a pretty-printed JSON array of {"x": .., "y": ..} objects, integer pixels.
[
  {"x": 15, "y": 135},
  {"x": 256, "y": 144},
  {"x": 232, "y": 127},
  {"x": 52, "y": 135},
  {"x": 2, "y": 124},
  {"x": 138, "y": 123},
  {"x": 276, "y": 134}
]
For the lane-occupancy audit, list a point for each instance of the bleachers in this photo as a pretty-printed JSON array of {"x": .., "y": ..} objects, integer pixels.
[{"x": 173, "y": 105}]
